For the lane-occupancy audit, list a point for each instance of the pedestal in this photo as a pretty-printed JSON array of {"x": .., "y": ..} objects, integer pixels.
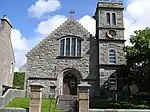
[
  {"x": 35, "y": 97},
  {"x": 83, "y": 97}
]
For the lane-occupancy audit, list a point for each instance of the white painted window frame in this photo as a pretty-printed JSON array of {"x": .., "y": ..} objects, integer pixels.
[
  {"x": 109, "y": 56},
  {"x": 64, "y": 54}
]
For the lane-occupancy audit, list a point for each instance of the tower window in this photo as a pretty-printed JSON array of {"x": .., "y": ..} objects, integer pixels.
[
  {"x": 70, "y": 46},
  {"x": 108, "y": 18},
  {"x": 112, "y": 56},
  {"x": 113, "y": 18}
]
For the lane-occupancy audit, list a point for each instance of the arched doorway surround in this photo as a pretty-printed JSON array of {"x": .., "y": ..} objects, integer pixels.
[{"x": 68, "y": 81}]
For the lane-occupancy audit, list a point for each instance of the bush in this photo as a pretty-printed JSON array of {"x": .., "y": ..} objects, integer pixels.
[
  {"x": 18, "y": 81},
  {"x": 115, "y": 105},
  {"x": 141, "y": 107},
  {"x": 99, "y": 104}
]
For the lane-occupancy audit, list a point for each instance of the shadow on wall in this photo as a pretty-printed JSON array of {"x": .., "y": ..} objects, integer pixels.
[{"x": 92, "y": 78}]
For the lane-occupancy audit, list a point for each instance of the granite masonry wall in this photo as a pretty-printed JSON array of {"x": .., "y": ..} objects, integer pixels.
[
  {"x": 108, "y": 41},
  {"x": 104, "y": 52},
  {"x": 44, "y": 61},
  {"x": 7, "y": 59},
  {"x": 108, "y": 7}
]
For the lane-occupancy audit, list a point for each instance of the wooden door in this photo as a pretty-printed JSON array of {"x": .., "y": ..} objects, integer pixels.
[{"x": 70, "y": 85}]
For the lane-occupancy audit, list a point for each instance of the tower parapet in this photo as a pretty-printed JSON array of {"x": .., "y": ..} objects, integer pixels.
[{"x": 110, "y": 4}]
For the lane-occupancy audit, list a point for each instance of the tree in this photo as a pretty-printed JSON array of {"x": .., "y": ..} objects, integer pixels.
[
  {"x": 138, "y": 55},
  {"x": 138, "y": 60}
]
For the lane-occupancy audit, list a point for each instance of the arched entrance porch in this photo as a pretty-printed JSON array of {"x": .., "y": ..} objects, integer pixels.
[{"x": 68, "y": 81}]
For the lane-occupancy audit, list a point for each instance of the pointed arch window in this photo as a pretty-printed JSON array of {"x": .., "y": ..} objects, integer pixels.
[
  {"x": 70, "y": 47},
  {"x": 112, "y": 56},
  {"x": 113, "y": 18},
  {"x": 108, "y": 18}
]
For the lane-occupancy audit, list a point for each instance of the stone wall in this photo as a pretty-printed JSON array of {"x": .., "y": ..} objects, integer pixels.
[
  {"x": 103, "y": 20},
  {"x": 9, "y": 95},
  {"x": 7, "y": 55},
  {"x": 108, "y": 40},
  {"x": 119, "y": 110},
  {"x": 44, "y": 61},
  {"x": 115, "y": 4},
  {"x": 104, "y": 48},
  {"x": 13, "y": 110},
  {"x": 46, "y": 90},
  {"x": 110, "y": 7},
  {"x": 119, "y": 34}
]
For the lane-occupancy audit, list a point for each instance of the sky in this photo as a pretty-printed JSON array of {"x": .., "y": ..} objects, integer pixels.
[{"x": 33, "y": 20}]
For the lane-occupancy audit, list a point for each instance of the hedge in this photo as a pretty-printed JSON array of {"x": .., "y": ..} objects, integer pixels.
[
  {"x": 18, "y": 81},
  {"x": 105, "y": 104}
]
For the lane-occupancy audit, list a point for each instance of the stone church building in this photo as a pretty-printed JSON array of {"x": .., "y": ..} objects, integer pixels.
[{"x": 70, "y": 55}]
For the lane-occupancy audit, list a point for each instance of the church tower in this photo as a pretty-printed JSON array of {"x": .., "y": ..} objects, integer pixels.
[{"x": 110, "y": 39}]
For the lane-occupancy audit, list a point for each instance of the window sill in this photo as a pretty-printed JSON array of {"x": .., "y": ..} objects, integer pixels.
[{"x": 69, "y": 57}]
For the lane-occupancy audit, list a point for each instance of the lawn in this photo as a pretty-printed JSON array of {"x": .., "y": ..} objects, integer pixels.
[{"x": 24, "y": 103}]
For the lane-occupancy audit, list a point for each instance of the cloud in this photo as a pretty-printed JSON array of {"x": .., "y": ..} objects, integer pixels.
[
  {"x": 47, "y": 26},
  {"x": 136, "y": 17},
  {"x": 20, "y": 47},
  {"x": 89, "y": 23},
  {"x": 18, "y": 42},
  {"x": 42, "y": 7}
]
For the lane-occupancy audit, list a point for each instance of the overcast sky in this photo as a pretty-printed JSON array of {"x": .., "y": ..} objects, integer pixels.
[{"x": 35, "y": 19}]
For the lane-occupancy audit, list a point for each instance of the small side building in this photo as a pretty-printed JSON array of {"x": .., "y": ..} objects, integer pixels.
[{"x": 7, "y": 59}]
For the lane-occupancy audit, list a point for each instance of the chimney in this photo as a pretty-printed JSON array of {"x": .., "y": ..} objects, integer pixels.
[{"x": 5, "y": 22}]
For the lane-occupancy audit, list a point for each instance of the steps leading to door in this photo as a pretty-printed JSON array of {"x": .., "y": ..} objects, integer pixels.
[{"x": 67, "y": 103}]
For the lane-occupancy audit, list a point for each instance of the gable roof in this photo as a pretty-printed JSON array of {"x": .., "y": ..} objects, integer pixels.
[{"x": 68, "y": 21}]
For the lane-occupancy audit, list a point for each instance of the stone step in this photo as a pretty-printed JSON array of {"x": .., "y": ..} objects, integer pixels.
[
  {"x": 67, "y": 103},
  {"x": 68, "y": 97}
]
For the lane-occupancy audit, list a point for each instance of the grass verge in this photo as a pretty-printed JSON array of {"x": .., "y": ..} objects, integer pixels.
[{"x": 24, "y": 103}]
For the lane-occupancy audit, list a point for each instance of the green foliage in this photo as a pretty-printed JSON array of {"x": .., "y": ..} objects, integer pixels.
[
  {"x": 137, "y": 69},
  {"x": 138, "y": 55},
  {"x": 117, "y": 105},
  {"x": 141, "y": 107},
  {"x": 24, "y": 103},
  {"x": 18, "y": 81}
]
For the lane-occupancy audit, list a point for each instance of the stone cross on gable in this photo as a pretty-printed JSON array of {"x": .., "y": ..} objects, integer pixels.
[{"x": 72, "y": 13}]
